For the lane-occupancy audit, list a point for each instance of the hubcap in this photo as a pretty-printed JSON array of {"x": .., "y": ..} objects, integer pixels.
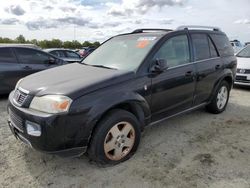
[
  {"x": 119, "y": 141},
  {"x": 222, "y": 97}
]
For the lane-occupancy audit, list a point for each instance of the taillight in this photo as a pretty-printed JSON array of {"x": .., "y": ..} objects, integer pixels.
[{"x": 82, "y": 53}]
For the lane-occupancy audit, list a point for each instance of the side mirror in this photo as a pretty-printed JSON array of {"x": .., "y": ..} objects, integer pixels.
[{"x": 159, "y": 66}]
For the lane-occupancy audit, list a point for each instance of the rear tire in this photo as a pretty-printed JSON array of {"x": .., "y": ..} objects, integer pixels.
[
  {"x": 220, "y": 99},
  {"x": 115, "y": 139}
]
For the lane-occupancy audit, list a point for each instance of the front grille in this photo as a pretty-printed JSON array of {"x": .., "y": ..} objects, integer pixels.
[
  {"x": 243, "y": 71},
  {"x": 16, "y": 121},
  {"x": 20, "y": 97},
  {"x": 243, "y": 78}
]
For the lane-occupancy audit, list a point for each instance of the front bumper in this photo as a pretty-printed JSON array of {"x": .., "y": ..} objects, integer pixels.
[
  {"x": 242, "y": 79},
  {"x": 61, "y": 134}
]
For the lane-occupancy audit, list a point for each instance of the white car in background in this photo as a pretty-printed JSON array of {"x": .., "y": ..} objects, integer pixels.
[{"x": 243, "y": 67}]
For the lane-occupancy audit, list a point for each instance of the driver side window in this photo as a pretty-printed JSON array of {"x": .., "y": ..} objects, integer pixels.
[{"x": 175, "y": 51}]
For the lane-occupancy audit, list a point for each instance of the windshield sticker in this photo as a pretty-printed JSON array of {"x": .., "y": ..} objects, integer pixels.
[
  {"x": 142, "y": 44},
  {"x": 146, "y": 38}
]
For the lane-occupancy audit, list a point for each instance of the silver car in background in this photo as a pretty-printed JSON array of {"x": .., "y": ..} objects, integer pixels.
[
  {"x": 243, "y": 67},
  {"x": 65, "y": 54}
]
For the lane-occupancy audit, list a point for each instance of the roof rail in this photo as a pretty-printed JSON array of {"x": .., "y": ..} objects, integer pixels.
[
  {"x": 198, "y": 27},
  {"x": 19, "y": 45},
  {"x": 150, "y": 29}
]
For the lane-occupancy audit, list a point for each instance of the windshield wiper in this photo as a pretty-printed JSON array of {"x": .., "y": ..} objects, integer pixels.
[{"x": 102, "y": 66}]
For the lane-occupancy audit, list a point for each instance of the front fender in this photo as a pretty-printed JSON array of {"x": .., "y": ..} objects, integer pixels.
[
  {"x": 120, "y": 98},
  {"x": 95, "y": 105}
]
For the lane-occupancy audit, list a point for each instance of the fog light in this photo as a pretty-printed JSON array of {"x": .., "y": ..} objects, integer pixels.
[{"x": 33, "y": 128}]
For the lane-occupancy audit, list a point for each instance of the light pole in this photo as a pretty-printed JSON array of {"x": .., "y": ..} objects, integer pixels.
[{"x": 74, "y": 32}]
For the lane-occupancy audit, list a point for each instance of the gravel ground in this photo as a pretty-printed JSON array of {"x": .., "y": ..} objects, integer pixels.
[{"x": 194, "y": 150}]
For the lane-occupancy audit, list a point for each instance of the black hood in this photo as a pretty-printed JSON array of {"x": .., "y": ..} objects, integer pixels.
[{"x": 73, "y": 80}]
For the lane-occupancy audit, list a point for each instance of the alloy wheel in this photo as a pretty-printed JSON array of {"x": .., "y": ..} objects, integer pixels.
[
  {"x": 119, "y": 141},
  {"x": 222, "y": 97}
]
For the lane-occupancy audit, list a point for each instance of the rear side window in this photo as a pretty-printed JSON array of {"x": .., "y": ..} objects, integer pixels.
[
  {"x": 58, "y": 53},
  {"x": 30, "y": 56},
  {"x": 175, "y": 51},
  {"x": 6, "y": 56},
  {"x": 213, "y": 52},
  {"x": 223, "y": 45},
  {"x": 201, "y": 46},
  {"x": 72, "y": 54}
]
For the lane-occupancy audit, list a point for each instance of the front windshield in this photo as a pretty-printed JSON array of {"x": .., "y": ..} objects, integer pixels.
[
  {"x": 245, "y": 52},
  {"x": 124, "y": 52}
]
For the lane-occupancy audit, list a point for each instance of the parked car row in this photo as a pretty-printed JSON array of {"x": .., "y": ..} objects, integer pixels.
[
  {"x": 20, "y": 60},
  {"x": 67, "y": 55}
]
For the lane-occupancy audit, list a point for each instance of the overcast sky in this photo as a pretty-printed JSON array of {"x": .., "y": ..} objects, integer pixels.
[{"x": 99, "y": 19}]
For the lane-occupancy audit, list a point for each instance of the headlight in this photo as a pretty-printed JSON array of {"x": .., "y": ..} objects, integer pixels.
[{"x": 52, "y": 104}]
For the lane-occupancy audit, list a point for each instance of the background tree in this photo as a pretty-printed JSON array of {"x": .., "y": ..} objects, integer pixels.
[
  {"x": 6, "y": 40},
  {"x": 34, "y": 41},
  {"x": 96, "y": 44},
  {"x": 20, "y": 39},
  {"x": 86, "y": 44},
  {"x": 54, "y": 43}
]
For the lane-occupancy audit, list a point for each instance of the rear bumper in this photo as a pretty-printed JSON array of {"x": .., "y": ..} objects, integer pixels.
[{"x": 63, "y": 135}]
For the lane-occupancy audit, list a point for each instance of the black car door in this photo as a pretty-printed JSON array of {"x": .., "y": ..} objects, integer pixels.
[
  {"x": 208, "y": 64},
  {"x": 172, "y": 90},
  {"x": 32, "y": 60},
  {"x": 9, "y": 70}
]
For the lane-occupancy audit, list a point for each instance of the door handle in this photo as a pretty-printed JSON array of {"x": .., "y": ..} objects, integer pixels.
[
  {"x": 27, "y": 68},
  {"x": 189, "y": 73},
  {"x": 217, "y": 67}
]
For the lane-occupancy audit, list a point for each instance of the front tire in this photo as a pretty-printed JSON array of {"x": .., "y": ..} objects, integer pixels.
[
  {"x": 220, "y": 99},
  {"x": 115, "y": 139}
]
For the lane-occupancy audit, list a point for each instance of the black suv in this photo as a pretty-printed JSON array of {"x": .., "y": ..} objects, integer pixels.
[
  {"x": 17, "y": 61},
  {"x": 132, "y": 80}
]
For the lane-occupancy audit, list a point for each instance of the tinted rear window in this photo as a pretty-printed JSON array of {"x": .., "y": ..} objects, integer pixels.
[
  {"x": 223, "y": 45},
  {"x": 58, "y": 53},
  {"x": 72, "y": 54},
  {"x": 213, "y": 52},
  {"x": 6, "y": 56}
]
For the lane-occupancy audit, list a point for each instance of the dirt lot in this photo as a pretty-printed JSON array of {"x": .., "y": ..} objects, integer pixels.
[{"x": 194, "y": 150}]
